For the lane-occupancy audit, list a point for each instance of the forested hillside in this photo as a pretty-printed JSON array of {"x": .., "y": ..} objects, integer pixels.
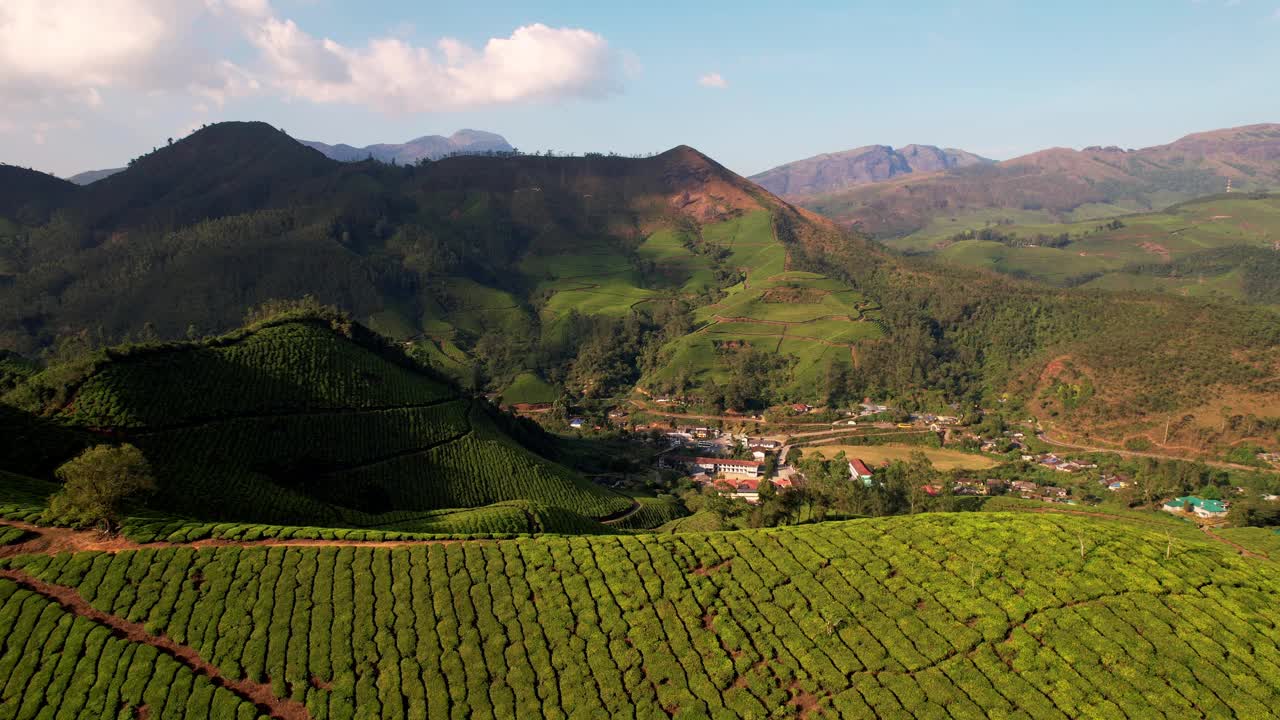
[{"x": 535, "y": 277}]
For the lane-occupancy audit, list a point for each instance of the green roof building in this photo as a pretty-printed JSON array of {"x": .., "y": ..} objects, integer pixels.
[{"x": 1202, "y": 507}]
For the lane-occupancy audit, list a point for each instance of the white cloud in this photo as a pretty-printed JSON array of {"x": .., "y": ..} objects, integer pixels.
[
  {"x": 535, "y": 62},
  {"x": 65, "y": 58},
  {"x": 713, "y": 80},
  {"x": 68, "y": 51}
]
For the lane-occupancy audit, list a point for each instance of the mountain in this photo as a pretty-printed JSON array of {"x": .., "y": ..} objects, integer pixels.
[
  {"x": 429, "y": 147},
  {"x": 831, "y": 172},
  {"x": 1061, "y": 184},
  {"x": 92, "y": 176},
  {"x": 535, "y": 277},
  {"x": 29, "y": 196}
]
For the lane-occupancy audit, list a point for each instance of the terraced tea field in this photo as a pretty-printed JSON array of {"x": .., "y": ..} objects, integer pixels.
[
  {"x": 294, "y": 423},
  {"x": 958, "y": 615}
]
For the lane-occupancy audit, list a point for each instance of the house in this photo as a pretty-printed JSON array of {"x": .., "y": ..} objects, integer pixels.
[
  {"x": 971, "y": 487},
  {"x": 800, "y": 408},
  {"x": 712, "y": 466},
  {"x": 1203, "y": 508},
  {"x": 757, "y": 455},
  {"x": 1025, "y": 488},
  {"x": 1271, "y": 498},
  {"x": 576, "y": 423},
  {"x": 1054, "y": 493},
  {"x": 932, "y": 490},
  {"x": 747, "y": 489},
  {"x": 996, "y": 485},
  {"x": 763, "y": 444},
  {"x": 858, "y": 470}
]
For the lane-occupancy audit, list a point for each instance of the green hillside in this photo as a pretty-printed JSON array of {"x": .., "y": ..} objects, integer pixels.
[
  {"x": 303, "y": 419},
  {"x": 1220, "y": 246},
  {"x": 965, "y": 615}
]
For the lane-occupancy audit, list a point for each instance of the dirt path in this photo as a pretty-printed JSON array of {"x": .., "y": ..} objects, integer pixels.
[
  {"x": 1238, "y": 547},
  {"x": 257, "y": 693},
  {"x": 620, "y": 516},
  {"x": 1135, "y": 453}
]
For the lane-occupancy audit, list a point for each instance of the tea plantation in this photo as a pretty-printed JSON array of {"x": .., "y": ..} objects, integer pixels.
[
  {"x": 303, "y": 421},
  {"x": 946, "y": 615}
]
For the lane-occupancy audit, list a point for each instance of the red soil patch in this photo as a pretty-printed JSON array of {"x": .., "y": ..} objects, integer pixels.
[
  {"x": 1155, "y": 248},
  {"x": 707, "y": 570}
]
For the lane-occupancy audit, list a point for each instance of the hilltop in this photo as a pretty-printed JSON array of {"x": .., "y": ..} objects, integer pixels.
[
  {"x": 831, "y": 172},
  {"x": 427, "y": 147},
  {"x": 1060, "y": 184},
  {"x": 947, "y": 615},
  {"x": 301, "y": 418}
]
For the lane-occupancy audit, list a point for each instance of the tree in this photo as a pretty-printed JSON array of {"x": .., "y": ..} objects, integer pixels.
[{"x": 98, "y": 483}]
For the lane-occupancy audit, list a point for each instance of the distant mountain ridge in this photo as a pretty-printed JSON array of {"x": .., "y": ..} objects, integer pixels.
[
  {"x": 92, "y": 176},
  {"x": 429, "y": 147},
  {"x": 1056, "y": 183},
  {"x": 831, "y": 172}
]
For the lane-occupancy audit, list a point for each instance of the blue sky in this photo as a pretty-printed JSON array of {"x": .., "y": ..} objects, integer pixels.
[{"x": 796, "y": 79}]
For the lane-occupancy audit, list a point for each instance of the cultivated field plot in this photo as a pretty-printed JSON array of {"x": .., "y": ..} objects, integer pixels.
[
  {"x": 683, "y": 268},
  {"x": 874, "y": 455},
  {"x": 964, "y": 615}
]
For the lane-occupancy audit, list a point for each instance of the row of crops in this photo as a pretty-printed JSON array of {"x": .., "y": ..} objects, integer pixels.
[
  {"x": 366, "y": 468},
  {"x": 968, "y": 615},
  {"x": 505, "y": 519},
  {"x": 54, "y": 664},
  {"x": 289, "y": 368}
]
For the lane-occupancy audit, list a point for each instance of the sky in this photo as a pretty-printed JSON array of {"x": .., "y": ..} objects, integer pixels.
[{"x": 87, "y": 84}]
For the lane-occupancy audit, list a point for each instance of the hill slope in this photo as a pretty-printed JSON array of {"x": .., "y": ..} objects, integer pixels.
[
  {"x": 831, "y": 172},
  {"x": 1222, "y": 245},
  {"x": 1065, "y": 184},
  {"x": 304, "y": 420},
  {"x": 447, "y": 254},
  {"x": 969, "y": 615}
]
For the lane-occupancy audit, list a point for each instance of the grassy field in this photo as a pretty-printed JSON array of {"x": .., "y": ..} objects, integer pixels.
[
  {"x": 874, "y": 455},
  {"x": 969, "y": 615}
]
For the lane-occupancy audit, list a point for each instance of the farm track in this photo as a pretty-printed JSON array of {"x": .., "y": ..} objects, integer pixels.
[
  {"x": 71, "y": 601},
  {"x": 1135, "y": 453},
  {"x": 621, "y": 514}
]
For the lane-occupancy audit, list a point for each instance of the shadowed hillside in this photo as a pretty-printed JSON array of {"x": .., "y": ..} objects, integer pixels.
[{"x": 303, "y": 418}]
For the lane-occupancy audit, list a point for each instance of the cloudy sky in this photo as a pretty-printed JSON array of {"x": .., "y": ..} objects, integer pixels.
[{"x": 90, "y": 83}]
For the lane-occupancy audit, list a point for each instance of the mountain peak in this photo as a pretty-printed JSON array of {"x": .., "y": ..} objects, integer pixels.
[
  {"x": 830, "y": 172},
  {"x": 426, "y": 147}
]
